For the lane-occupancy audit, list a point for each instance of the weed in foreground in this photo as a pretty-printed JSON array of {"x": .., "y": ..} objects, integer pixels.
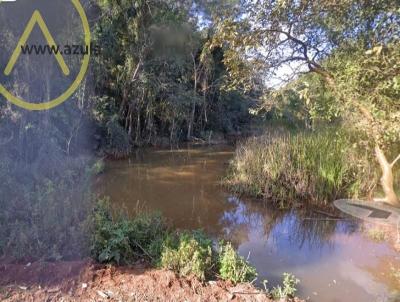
[
  {"x": 122, "y": 240},
  {"x": 234, "y": 267}
]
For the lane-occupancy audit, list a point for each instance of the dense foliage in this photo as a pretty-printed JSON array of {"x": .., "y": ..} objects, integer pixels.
[
  {"x": 153, "y": 81},
  {"x": 351, "y": 46},
  {"x": 186, "y": 70},
  {"x": 44, "y": 210},
  {"x": 190, "y": 254},
  {"x": 156, "y": 77},
  {"x": 123, "y": 240}
]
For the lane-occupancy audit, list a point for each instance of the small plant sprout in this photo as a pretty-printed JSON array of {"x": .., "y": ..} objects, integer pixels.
[{"x": 288, "y": 289}]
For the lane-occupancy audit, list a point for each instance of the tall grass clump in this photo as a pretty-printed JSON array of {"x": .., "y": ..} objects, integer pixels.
[{"x": 313, "y": 167}]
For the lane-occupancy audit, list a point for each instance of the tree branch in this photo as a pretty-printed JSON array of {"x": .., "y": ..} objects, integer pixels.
[
  {"x": 136, "y": 70},
  {"x": 312, "y": 64},
  {"x": 395, "y": 161}
]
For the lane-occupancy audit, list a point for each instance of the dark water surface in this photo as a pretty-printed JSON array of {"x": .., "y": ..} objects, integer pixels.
[{"x": 333, "y": 259}]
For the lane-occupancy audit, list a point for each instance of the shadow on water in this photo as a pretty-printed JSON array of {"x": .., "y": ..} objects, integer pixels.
[{"x": 333, "y": 259}]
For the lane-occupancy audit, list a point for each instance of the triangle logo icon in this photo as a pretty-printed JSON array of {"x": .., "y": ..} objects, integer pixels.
[{"x": 36, "y": 19}]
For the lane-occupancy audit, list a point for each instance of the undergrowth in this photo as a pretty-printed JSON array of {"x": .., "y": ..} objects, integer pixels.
[
  {"x": 190, "y": 253},
  {"x": 122, "y": 240},
  {"x": 118, "y": 239},
  {"x": 233, "y": 267},
  {"x": 44, "y": 207},
  {"x": 287, "y": 289}
]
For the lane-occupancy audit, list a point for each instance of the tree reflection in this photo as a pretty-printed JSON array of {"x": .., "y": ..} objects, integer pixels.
[{"x": 302, "y": 228}]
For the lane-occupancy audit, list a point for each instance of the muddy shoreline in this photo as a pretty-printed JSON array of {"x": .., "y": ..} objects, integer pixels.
[{"x": 88, "y": 281}]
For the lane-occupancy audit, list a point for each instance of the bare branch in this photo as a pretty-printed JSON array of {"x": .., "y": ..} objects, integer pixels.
[
  {"x": 136, "y": 71},
  {"x": 395, "y": 161}
]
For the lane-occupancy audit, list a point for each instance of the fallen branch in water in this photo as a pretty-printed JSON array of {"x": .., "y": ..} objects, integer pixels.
[
  {"x": 327, "y": 214},
  {"x": 326, "y": 219}
]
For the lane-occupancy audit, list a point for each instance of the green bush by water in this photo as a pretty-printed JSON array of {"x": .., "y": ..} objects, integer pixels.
[
  {"x": 122, "y": 240},
  {"x": 305, "y": 167},
  {"x": 191, "y": 253},
  {"x": 233, "y": 267}
]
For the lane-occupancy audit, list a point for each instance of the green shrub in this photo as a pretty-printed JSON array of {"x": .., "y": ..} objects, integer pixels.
[
  {"x": 121, "y": 240},
  {"x": 288, "y": 289},
  {"x": 234, "y": 267},
  {"x": 316, "y": 167},
  {"x": 190, "y": 254}
]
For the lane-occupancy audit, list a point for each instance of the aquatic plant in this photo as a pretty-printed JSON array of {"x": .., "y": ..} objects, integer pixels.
[{"x": 313, "y": 167}]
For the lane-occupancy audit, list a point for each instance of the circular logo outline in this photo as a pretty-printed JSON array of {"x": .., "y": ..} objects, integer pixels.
[{"x": 75, "y": 84}]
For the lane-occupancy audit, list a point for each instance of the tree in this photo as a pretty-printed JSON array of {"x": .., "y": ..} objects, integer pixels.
[
  {"x": 369, "y": 81},
  {"x": 351, "y": 45},
  {"x": 156, "y": 76}
]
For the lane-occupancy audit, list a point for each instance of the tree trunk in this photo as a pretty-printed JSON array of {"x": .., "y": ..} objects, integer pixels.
[
  {"x": 387, "y": 181},
  {"x": 205, "y": 102},
  {"x": 193, "y": 110},
  {"x": 191, "y": 121},
  {"x": 387, "y": 178}
]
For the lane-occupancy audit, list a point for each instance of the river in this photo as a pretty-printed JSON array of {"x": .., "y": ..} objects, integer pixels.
[{"x": 334, "y": 259}]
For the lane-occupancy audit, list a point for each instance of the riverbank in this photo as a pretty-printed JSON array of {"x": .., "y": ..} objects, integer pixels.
[
  {"x": 88, "y": 281},
  {"x": 185, "y": 186}
]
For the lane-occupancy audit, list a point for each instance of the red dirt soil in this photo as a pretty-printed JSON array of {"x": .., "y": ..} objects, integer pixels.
[{"x": 86, "y": 281}]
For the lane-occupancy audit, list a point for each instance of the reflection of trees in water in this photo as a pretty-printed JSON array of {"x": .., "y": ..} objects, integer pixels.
[
  {"x": 314, "y": 230},
  {"x": 303, "y": 228}
]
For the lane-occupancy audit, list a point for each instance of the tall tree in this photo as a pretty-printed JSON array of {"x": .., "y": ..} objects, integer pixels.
[{"x": 352, "y": 45}]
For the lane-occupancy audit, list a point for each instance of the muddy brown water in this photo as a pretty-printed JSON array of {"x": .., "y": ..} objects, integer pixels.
[{"x": 334, "y": 259}]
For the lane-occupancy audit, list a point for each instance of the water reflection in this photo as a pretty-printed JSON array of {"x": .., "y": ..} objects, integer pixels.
[
  {"x": 334, "y": 261},
  {"x": 327, "y": 254},
  {"x": 302, "y": 228}
]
